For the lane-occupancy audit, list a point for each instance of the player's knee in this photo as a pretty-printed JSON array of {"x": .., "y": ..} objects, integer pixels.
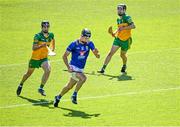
[
  {"x": 48, "y": 70},
  {"x": 123, "y": 55},
  {"x": 84, "y": 78}
]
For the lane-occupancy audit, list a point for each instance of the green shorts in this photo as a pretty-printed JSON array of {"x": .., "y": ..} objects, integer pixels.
[
  {"x": 36, "y": 63},
  {"x": 125, "y": 45}
]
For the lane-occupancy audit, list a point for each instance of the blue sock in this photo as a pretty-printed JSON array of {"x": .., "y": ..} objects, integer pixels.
[
  {"x": 59, "y": 97},
  {"x": 75, "y": 93},
  {"x": 21, "y": 84}
]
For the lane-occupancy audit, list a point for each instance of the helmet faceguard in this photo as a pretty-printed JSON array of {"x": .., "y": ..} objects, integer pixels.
[
  {"x": 86, "y": 33},
  {"x": 45, "y": 23},
  {"x": 123, "y": 6}
]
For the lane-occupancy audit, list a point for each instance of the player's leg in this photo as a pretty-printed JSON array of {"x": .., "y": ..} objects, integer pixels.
[
  {"x": 25, "y": 77},
  {"x": 124, "y": 59},
  {"x": 125, "y": 45},
  {"x": 81, "y": 80},
  {"x": 113, "y": 50},
  {"x": 69, "y": 86},
  {"x": 47, "y": 69}
]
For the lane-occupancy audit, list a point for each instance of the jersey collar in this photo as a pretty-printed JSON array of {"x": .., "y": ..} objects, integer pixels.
[{"x": 45, "y": 36}]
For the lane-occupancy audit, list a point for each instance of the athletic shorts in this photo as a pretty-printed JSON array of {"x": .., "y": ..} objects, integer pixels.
[
  {"x": 125, "y": 45},
  {"x": 36, "y": 63},
  {"x": 75, "y": 69}
]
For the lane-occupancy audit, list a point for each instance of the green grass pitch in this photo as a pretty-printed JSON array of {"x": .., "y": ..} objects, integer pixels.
[{"x": 149, "y": 95}]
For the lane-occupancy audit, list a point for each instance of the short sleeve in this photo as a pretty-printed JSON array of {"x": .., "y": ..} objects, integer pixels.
[
  {"x": 129, "y": 20},
  {"x": 36, "y": 39},
  {"x": 91, "y": 46},
  {"x": 118, "y": 21},
  {"x": 52, "y": 35},
  {"x": 71, "y": 47}
]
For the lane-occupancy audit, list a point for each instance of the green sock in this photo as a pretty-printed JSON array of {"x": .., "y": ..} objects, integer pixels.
[
  {"x": 41, "y": 86},
  {"x": 104, "y": 67}
]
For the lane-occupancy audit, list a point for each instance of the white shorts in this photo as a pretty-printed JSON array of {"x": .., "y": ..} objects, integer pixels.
[{"x": 75, "y": 69}]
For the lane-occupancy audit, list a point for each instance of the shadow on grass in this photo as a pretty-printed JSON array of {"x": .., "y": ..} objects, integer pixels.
[
  {"x": 76, "y": 113},
  {"x": 122, "y": 77},
  {"x": 40, "y": 102}
]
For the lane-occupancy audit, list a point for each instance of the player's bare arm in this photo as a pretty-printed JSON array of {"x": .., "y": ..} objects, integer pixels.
[
  {"x": 53, "y": 44},
  {"x": 96, "y": 53},
  {"x": 129, "y": 27},
  {"x": 65, "y": 59},
  {"x": 36, "y": 46}
]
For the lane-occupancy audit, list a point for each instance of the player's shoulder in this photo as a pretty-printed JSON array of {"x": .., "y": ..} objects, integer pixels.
[
  {"x": 74, "y": 43},
  {"x": 127, "y": 19},
  {"x": 126, "y": 16},
  {"x": 90, "y": 43},
  {"x": 37, "y": 35},
  {"x": 51, "y": 34}
]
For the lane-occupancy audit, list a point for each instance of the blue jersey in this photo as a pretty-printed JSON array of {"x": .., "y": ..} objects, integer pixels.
[{"x": 79, "y": 53}]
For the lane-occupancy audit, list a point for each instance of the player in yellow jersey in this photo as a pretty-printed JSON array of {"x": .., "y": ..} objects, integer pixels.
[
  {"x": 122, "y": 37},
  {"x": 39, "y": 57}
]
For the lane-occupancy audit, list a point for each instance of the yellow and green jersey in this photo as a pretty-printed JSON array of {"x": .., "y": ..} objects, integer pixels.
[
  {"x": 42, "y": 52},
  {"x": 122, "y": 22}
]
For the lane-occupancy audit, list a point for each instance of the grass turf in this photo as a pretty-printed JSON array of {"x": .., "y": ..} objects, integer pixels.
[{"x": 148, "y": 96}]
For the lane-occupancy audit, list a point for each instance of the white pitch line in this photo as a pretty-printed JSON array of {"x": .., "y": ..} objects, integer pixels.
[
  {"x": 135, "y": 52},
  {"x": 95, "y": 97}
]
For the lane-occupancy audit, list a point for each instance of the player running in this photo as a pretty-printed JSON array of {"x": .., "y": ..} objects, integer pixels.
[
  {"x": 122, "y": 37},
  {"x": 79, "y": 50},
  {"x": 39, "y": 58}
]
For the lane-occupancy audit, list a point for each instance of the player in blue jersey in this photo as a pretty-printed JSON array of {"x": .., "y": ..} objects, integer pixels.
[{"x": 79, "y": 50}]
